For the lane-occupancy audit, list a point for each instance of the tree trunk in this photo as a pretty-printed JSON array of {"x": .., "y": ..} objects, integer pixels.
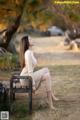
[{"x": 9, "y": 32}]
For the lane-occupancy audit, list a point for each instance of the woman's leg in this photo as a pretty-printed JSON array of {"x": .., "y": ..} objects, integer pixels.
[
  {"x": 47, "y": 78},
  {"x": 50, "y": 94},
  {"x": 44, "y": 75},
  {"x": 49, "y": 98}
]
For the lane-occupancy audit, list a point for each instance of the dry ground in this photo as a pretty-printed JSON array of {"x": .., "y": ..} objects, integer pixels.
[{"x": 66, "y": 84}]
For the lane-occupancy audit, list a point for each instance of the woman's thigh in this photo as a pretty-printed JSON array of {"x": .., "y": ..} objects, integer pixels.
[{"x": 38, "y": 75}]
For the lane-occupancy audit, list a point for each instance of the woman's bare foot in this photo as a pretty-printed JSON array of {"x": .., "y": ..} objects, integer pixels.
[
  {"x": 52, "y": 107},
  {"x": 50, "y": 100},
  {"x": 33, "y": 89},
  {"x": 54, "y": 98}
]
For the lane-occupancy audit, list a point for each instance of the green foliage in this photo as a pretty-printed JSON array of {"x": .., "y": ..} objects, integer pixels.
[
  {"x": 38, "y": 12},
  {"x": 2, "y": 1},
  {"x": 75, "y": 17},
  {"x": 8, "y": 61},
  {"x": 32, "y": 1}
]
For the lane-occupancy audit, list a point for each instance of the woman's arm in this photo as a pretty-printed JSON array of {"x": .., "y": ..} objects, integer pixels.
[
  {"x": 29, "y": 64},
  {"x": 34, "y": 61}
]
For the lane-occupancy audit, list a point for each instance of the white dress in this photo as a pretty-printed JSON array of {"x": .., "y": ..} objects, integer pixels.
[{"x": 30, "y": 63}]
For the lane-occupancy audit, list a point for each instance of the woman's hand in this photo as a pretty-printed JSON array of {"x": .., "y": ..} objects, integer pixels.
[{"x": 33, "y": 89}]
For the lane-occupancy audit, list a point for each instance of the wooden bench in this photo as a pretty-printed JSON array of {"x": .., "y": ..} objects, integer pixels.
[{"x": 14, "y": 89}]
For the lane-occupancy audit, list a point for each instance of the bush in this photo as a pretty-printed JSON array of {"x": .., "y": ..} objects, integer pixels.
[{"x": 9, "y": 61}]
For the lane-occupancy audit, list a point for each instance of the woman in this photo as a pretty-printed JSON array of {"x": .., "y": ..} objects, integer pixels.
[{"x": 28, "y": 62}]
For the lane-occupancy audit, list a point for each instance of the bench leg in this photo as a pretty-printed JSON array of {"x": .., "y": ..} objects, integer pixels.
[
  {"x": 13, "y": 96},
  {"x": 30, "y": 96},
  {"x": 12, "y": 93}
]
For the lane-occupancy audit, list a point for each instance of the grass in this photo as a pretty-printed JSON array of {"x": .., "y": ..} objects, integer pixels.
[
  {"x": 66, "y": 72},
  {"x": 20, "y": 109},
  {"x": 66, "y": 83}
]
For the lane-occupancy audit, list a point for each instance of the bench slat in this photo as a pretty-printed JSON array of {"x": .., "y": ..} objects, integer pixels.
[
  {"x": 21, "y": 90},
  {"x": 21, "y": 77}
]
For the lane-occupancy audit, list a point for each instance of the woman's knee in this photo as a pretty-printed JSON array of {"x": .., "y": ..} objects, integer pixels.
[
  {"x": 46, "y": 76},
  {"x": 46, "y": 70}
]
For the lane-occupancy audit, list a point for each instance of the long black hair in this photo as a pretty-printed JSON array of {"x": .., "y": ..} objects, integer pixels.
[{"x": 24, "y": 45}]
